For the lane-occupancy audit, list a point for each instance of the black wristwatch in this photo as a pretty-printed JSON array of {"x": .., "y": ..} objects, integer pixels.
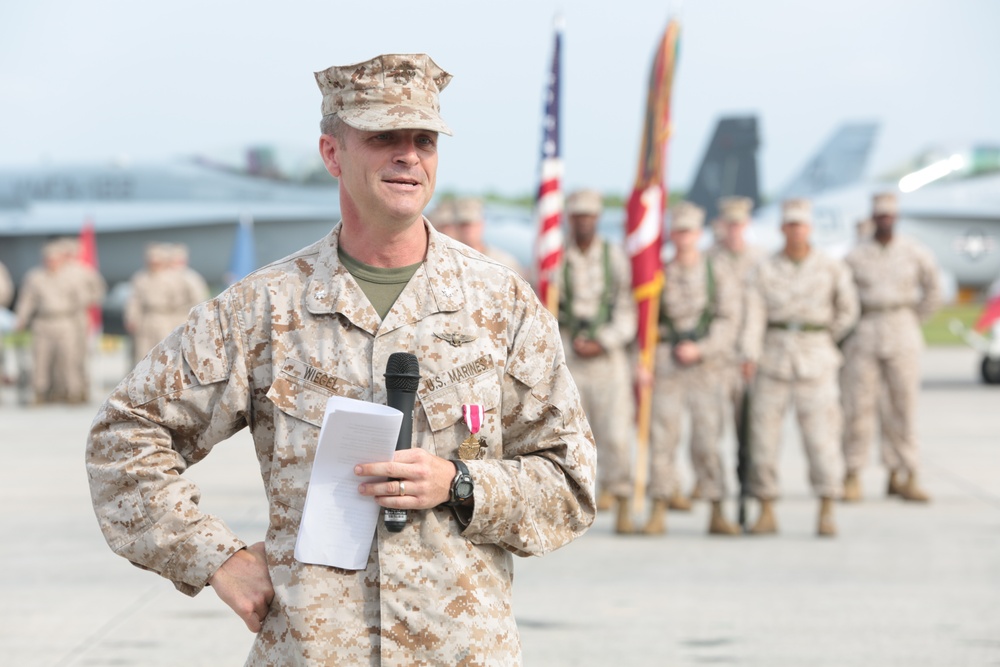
[{"x": 462, "y": 486}]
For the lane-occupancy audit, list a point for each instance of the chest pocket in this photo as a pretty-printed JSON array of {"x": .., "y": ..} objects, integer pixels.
[
  {"x": 442, "y": 410},
  {"x": 304, "y": 400},
  {"x": 299, "y": 409}
]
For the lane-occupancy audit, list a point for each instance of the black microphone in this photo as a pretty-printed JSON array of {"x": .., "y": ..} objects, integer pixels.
[{"x": 402, "y": 374}]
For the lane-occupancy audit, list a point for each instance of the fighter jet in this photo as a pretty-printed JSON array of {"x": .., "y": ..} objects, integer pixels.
[
  {"x": 195, "y": 202},
  {"x": 949, "y": 201}
]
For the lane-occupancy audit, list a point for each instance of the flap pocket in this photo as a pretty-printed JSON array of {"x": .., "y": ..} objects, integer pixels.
[
  {"x": 204, "y": 346},
  {"x": 443, "y": 407},
  {"x": 305, "y": 400}
]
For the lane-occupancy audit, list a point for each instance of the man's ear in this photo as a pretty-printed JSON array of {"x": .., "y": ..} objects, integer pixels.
[{"x": 329, "y": 150}]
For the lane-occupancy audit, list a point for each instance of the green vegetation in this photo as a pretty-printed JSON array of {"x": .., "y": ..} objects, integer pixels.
[
  {"x": 936, "y": 331},
  {"x": 611, "y": 199}
]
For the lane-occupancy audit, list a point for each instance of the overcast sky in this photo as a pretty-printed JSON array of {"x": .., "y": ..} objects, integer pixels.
[{"x": 103, "y": 79}]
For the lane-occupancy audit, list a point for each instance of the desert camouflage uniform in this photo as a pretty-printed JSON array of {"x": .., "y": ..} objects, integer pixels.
[
  {"x": 741, "y": 266},
  {"x": 267, "y": 353},
  {"x": 796, "y": 311},
  {"x": 898, "y": 288},
  {"x": 159, "y": 302},
  {"x": 52, "y": 304},
  {"x": 6, "y": 287},
  {"x": 604, "y": 381},
  {"x": 697, "y": 388},
  {"x": 6, "y": 295},
  {"x": 94, "y": 289}
]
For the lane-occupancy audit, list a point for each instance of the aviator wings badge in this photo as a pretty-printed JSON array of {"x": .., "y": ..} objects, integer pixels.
[{"x": 455, "y": 339}]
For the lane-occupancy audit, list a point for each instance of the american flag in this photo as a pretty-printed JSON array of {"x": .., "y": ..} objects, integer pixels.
[{"x": 549, "y": 203}]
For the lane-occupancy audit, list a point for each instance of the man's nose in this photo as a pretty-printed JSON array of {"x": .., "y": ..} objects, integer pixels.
[{"x": 407, "y": 152}]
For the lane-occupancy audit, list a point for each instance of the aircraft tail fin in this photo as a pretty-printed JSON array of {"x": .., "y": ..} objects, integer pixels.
[
  {"x": 729, "y": 166},
  {"x": 841, "y": 161}
]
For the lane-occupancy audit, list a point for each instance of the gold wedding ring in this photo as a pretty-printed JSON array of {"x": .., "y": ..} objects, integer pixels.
[{"x": 402, "y": 488}]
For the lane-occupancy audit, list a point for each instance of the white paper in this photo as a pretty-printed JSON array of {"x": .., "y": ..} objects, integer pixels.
[{"x": 338, "y": 523}]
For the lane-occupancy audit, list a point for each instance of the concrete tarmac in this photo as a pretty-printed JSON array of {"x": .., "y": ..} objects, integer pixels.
[{"x": 902, "y": 584}]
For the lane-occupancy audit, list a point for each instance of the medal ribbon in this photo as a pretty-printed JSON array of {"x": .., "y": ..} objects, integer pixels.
[{"x": 473, "y": 415}]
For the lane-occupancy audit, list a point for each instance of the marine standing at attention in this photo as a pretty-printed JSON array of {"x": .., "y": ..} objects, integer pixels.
[
  {"x": 598, "y": 321},
  {"x": 799, "y": 306},
  {"x": 897, "y": 282}
]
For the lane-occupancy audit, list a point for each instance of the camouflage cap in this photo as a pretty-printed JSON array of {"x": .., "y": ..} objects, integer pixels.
[
  {"x": 468, "y": 209},
  {"x": 686, "y": 215},
  {"x": 796, "y": 211},
  {"x": 443, "y": 214},
  {"x": 885, "y": 203},
  {"x": 67, "y": 245},
  {"x": 735, "y": 209},
  {"x": 584, "y": 202},
  {"x": 155, "y": 253},
  {"x": 388, "y": 92},
  {"x": 54, "y": 249}
]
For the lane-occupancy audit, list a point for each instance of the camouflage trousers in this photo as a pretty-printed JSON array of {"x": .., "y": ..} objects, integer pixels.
[
  {"x": 698, "y": 391},
  {"x": 817, "y": 409},
  {"x": 606, "y": 395},
  {"x": 56, "y": 368},
  {"x": 890, "y": 387}
]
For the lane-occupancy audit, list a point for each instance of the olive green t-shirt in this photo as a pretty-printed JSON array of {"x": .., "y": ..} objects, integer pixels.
[{"x": 381, "y": 286}]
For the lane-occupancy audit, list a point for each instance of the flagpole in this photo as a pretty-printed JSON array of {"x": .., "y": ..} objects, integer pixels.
[{"x": 644, "y": 226}]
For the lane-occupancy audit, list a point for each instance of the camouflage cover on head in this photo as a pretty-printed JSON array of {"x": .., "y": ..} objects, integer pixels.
[
  {"x": 885, "y": 203},
  {"x": 796, "y": 210},
  {"x": 388, "y": 92},
  {"x": 156, "y": 253},
  {"x": 735, "y": 209},
  {"x": 584, "y": 202},
  {"x": 686, "y": 215},
  {"x": 53, "y": 249},
  {"x": 443, "y": 214},
  {"x": 468, "y": 209}
]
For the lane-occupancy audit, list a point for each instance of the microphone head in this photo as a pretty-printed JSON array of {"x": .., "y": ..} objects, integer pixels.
[{"x": 402, "y": 372}]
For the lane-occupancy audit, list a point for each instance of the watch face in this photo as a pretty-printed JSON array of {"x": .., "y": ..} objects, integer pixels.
[{"x": 463, "y": 489}]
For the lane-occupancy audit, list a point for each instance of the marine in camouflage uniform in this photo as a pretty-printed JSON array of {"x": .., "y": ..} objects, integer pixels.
[
  {"x": 698, "y": 311},
  {"x": 195, "y": 288},
  {"x": 267, "y": 354},
  {"x": 6, "y": 296},
  {"x": 799, "y": 305},
  {"x": 597, "y": 319},
  {"x": 94, "y": 289},
  {"x": 468, "y": 226},
  {"x": 161, "y": 297},
  {"x": 6, "y": 287},
  {"x": 731, "y": 254},
  {"x": 51, "y": 303},
  {"x": 897, "y": 283}
]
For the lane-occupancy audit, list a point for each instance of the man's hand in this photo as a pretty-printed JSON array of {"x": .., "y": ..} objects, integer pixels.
[
  {"x": 687, "y": 353},
  {"x": 425, "y": 480},
  {"x": 587, "y": 348},
  {"x": 244, "y": 583}
]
